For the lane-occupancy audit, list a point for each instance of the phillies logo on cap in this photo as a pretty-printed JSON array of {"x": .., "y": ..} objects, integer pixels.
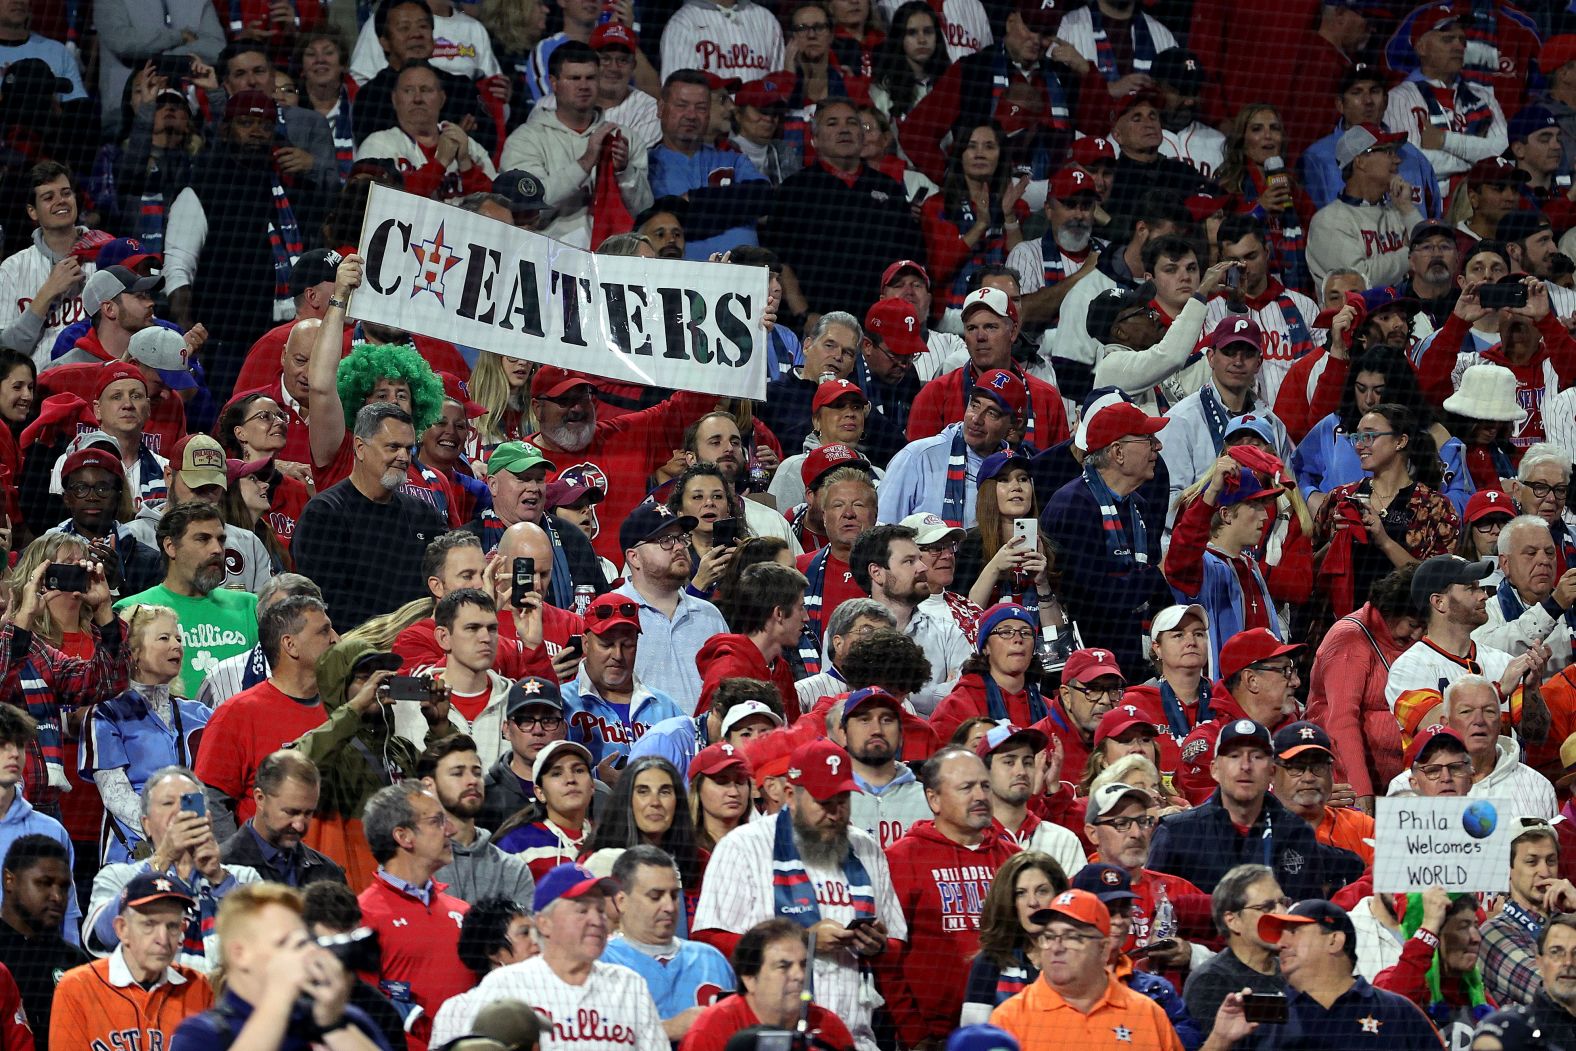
[
  {"x": 908, "y": 322},
  {"x": 1245, "y": 726},
  {"x": 727, "y": 749},
  {"x": 839, "y": 452},
  {"x": 931, "y": 519},
  {"x": 1240, "y": 325},
  {"x": 1130, "y": 709},
  {"x": 834, "y": 763},
  {"x": 1110, "y": 878},
  {"x": 1079, "y": 177},
  {"x": 205, "y": 457},
  {"x": 999, "y": 381},
  {"x": 1491, "y": 497}
]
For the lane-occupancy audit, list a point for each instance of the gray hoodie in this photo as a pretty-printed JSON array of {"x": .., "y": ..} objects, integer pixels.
[
  {"x": 247, "y": 566},
  {"x": 481, "y": 870}
]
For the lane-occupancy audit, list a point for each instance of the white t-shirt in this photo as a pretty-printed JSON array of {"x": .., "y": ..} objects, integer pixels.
[{"x": 460, "y": 45}]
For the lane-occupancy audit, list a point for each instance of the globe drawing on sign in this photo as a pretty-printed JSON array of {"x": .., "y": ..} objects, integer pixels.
[{"x": 1479, "y": 819}]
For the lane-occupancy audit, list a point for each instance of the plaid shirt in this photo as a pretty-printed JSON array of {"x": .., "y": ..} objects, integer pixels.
[
  {"x": 70, "y": 683},
  {"x": 1510, "y": 949}
]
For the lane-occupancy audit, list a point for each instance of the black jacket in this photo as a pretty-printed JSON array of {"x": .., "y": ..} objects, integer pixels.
[
  {"x": 1201, "y": 846},
  {"x": 374, "y": 108},
  {"x": 310, "y": 866},
  {"x": 37, "y": 964},
  {"x": 839, "y": 238}
]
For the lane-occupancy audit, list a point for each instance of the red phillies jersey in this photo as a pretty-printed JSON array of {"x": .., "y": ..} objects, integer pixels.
[{"x": 421, "y": 947}]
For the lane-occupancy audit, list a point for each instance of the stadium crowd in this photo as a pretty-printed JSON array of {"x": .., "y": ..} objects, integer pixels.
[{"x": 1166, "y": 455}]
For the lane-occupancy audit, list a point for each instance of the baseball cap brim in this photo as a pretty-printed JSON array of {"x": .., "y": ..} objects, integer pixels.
[
  {"x": 1273, "y": 926},
  {"x": 1296, "y": 750},
  {"x": 164, "y": 895}
]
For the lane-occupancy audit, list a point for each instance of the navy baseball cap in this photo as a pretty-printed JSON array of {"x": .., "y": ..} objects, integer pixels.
[
  {"x": 982, "y": 1037},
  {"x": 1325, "y": 914},
  {"x": 1301, "y": 736},
  {"x": 1109, "y": 883},
  {"x": 1243, "y": 730},
  {"x": 570, "y": 881},
  {"x": 149, "y": 887},
  {"x": 647, "y": 520},
  {"x": 1528, "y": 121},
  {"x": 533, "y": 689}
]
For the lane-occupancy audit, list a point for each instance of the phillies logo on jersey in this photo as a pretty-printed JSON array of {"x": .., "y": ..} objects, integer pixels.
[
  {"x": 588, "y": 1026},
  {"x": 959, "y": 37},
  {"x": 735, "y": 56},
  {"x": 590, "y": 724},
  {"x": 706, "y": 994},
  {"x": 591, "y": 476},
  {"x": 436, "y": 259},
  {"x": 1377, "y": 243}
]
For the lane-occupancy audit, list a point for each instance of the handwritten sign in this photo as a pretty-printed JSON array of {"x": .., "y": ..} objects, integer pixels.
[{"x": 1460, "y": 844}]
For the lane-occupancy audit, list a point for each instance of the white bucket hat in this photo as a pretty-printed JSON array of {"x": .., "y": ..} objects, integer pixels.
[{"x": 1487, "y": 392}]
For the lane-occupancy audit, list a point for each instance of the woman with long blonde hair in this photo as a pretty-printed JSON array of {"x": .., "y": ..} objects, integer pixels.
[
  {"x": 515, "y": 26},
  {"x": 502, "y": 385},
  {"x": 1255, "y": 145}
]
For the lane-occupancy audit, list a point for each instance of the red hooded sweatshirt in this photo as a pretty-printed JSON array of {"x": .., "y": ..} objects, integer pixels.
[
  {"x": 736, "y": 657},
  {"x": 941, "y": 888},
  {"x": 967, "y": 700}
]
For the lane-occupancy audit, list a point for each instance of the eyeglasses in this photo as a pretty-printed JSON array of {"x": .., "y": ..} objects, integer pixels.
[
  {"x": 1013, "y": 634},
  {"x": 1489, "y": 525},
  {"x": 813, "y": 27},
  {"x": 102, "y": 490},
  {"x": 1318, "y": 769},
  {"x": 1110, "y": 694},
  {"x": 598, "y": 614},
  {"x": 1268, "y": 906},
  {"x": 268, "y": 417},
  {"x": 546, "y": 722},
  {"x": 1543, "y": 489},
  {"x": 1439, "y": 771},
  {"x": 1148, "y": 439},
  {"x": 1125, "y": 825},
  {"x": 1367, "y": 437},
  {"x": 944, "y": 547},
  {"x": 1285, "y": 671},
  {"x": 670, "y": 542},
  {"x": 1071, "y": 939},
  {"x": 1144, "y": 312}
]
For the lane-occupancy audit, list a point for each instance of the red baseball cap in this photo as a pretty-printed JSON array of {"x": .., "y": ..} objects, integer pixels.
[
  {"x": 1072, "y": 182},
  {"x": 92, "y": 456},
  {"x": 823, "y": 769},
  {"x": 1251, "y": 647},
  {"x": 614, "y": 34},
  {"x": 610, "y": 611},
  {"x": 550, "y": 381},
  {"x": 774, "y": 89},
  {"x": 898, "y": 324},
  {"x": 1427, "y": 736},
  {"x": 718, "y": 758},
  {"x": 1556, "y": 51},
  {"x": 114, "y": 372},
  {"x": 832, "y": 390},
  {"x": 1092, "y": 663},
  {"x": 1236, "y": 328},
  {"x": 1140, "y": 97},
  {"x": 1121, "y": 420},
  {"x": 250, "y": 104},
  {"x": 1202, "y": 205},
  {"x": 1487, "y": 502},
  {"x": 1354, "y": 300},
  {"x": 889, "y": 275},
  {"x": 1079, "y": 906},
  {"x": 824, "y": 459},
  {"x": 1005, "y": 389},
  {"x": 1091, "y": 150},
  {"x": 1121, "y": 719},
  {"x": 728, "y": 84},
  {"x": 1496, "y": 171},
  {"x": 992, "y": 299},
  {"x": 456, "y": 389},
  {"x": 768, "y": 754},
  {"x": 1432, "y": 17}
]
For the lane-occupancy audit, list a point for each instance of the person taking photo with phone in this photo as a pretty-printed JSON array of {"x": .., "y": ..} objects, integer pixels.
[{"x": 178, "y": 828}]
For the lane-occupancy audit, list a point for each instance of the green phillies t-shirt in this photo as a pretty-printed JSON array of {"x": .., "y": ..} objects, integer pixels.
[{"x": 212, "y": 628}]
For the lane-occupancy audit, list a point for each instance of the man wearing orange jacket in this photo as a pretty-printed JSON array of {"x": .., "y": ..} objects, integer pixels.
[{"x": 138, "y": 994}]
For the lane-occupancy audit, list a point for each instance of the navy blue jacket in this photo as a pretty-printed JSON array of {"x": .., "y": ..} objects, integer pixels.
[
  {"x": 1201, "y": 845},
  {"x": 1109, "y": 603},
  {"x": 1361, "y": 1019}
]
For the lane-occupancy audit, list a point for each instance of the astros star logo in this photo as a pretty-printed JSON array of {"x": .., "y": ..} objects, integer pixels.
[
  {"x": 532, "y": 687},
  {"x": 163, "y": 885},
  {"x": 1370, "y": 1024},
  {"x": 1124, "y": 1034},
  {"x": 436, "y": 261}
]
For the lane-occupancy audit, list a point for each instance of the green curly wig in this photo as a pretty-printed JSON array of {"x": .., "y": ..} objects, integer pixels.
[{"x": 367, "y": 363}]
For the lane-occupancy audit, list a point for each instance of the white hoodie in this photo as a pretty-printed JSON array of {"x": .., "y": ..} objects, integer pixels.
[
  {"x": 1529, "y": 792},
  {"x": 550, "y": 149}
]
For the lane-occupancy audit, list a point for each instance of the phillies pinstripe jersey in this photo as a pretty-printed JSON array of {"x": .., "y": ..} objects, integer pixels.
[
  {"x": 742, "y": 41},
  {"x": 964, "y": 24},
  {"x": 21, "y": 276},
  {"x": 738, "y": 894},
  {"x": 613, "y": 1009},
  {"x": 1197, "y": 144},
  {"x": 1270, "y": 313}
]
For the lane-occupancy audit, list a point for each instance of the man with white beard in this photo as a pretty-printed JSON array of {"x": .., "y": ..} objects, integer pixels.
[
  {"x": 330, "y": 545},
  {"x": 618, "y": 453},
  {"x": 1047, "y": 268}
]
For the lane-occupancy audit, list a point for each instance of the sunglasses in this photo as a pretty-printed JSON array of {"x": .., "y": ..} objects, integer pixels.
[{"x": 597, "y": 614}]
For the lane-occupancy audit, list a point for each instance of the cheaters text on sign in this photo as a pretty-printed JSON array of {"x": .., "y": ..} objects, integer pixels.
[{"x": 450, "y": 274}]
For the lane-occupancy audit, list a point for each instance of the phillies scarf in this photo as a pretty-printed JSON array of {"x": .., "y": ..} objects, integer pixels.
[
  {"x": 793, "y": 894},
  {"x": 1176, "y": 713},
  {"x": 1288, "y": 242},
  {"x": 343, "y": 130},
  {"x": 798, "y": 516},
  {"x": 609, "y": 215},
  {"x": 955, "y": 495},
  {"x": 1010, "y": 981},
  {"x": 256, "y": 669},
  {"x": 1296, "y": 329},
  {"x": 1216, "y": 416},
  {"x": 38, "y": 700},
  {"x": 1105, "y": 58},
  {"x": 991, "y": 251},
  {"x": 1468, "y": 113},
  {"x": 1057, "y": 272},
  {"x": 814, "y": 599},
  {"x": 1128, "y": 544},
  {"x": 284, "y": 236},
  {"x": 996, "y": 703},
  {"x": 1056, "y": 112}
]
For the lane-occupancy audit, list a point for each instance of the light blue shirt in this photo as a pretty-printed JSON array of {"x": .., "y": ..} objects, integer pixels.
[
  {"x": 916, "y": 479},
  {"x": 672, "y": 174},
  {"x": 665, "y": 658},
  {"x": 58, "y": 57},
  {"x": 1321, "y": 176}
]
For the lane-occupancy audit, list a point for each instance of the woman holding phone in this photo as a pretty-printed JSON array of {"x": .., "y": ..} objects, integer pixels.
[
  {"x": 705, "y": 495},
  {"x": 997, "y": 561}
]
